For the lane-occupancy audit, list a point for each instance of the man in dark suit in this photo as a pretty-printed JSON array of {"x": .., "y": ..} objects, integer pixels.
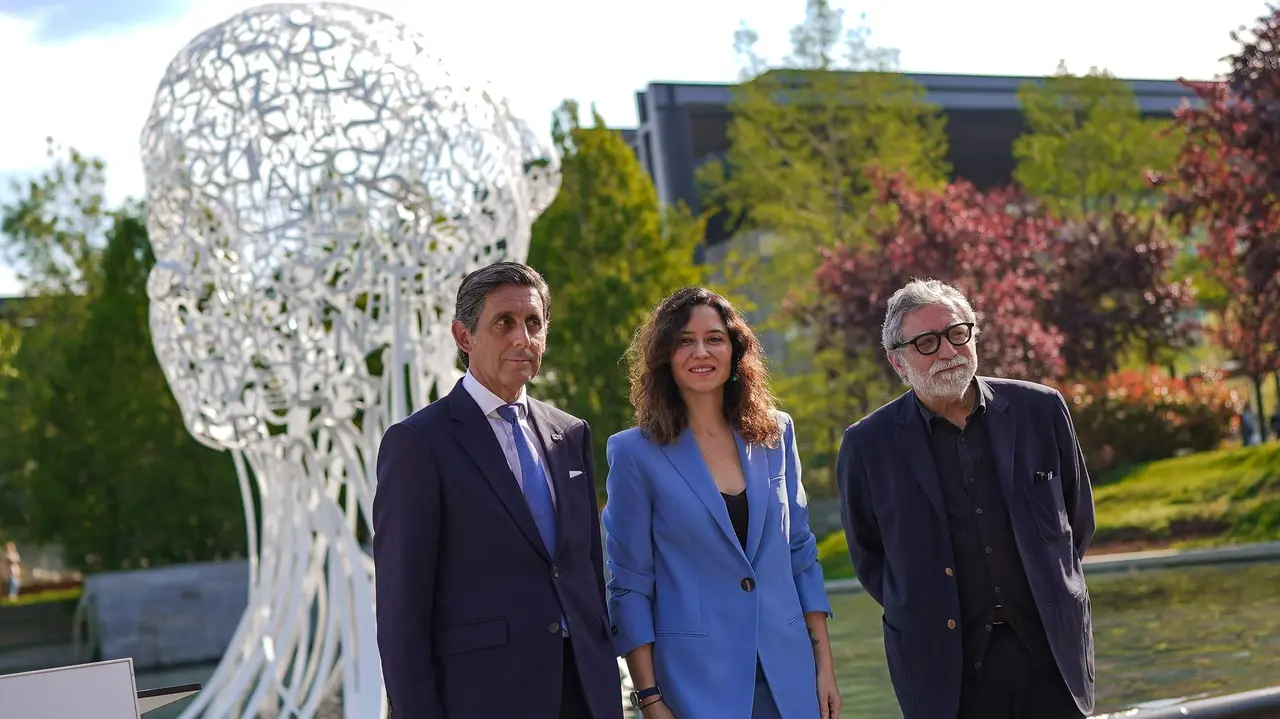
[
  {"x": 490, "y": 583},
  {"x": 968, "y": 509}
]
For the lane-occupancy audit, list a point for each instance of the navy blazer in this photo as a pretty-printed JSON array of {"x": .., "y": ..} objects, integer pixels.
[
  {"x": 891, "y": 506},
  {"x": 683, "y": 582},
  {"x": 468, "y": 599}
]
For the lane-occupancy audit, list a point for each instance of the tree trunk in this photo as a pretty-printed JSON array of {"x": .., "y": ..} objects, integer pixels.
[
  {"x": 1261, "y": 411},
  {"x": 1275, "y": 382}
]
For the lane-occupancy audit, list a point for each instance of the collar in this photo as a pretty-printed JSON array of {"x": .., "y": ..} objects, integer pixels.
[
  {"x": 490, "y": 402},
  {"x": 979, "y": 404}
]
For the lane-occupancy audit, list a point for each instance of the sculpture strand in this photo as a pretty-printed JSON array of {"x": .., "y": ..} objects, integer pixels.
[{"x": 317, "y": 187}]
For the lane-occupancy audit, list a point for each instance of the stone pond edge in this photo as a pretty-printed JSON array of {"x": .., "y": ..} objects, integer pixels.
[{"x": 1137, "y": 561}]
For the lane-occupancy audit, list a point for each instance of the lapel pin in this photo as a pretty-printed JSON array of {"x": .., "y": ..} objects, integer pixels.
[{"x": 556, "y": 436}]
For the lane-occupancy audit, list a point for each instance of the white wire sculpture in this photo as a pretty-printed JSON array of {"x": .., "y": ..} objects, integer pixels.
[{"x": 317, "y": 188}]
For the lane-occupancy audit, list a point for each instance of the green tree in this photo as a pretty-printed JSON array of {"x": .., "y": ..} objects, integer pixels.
[
  {"x": 10, "y": 342},
  {"x": 802, "y": 137},
  {"x": 99, "y": 457},
  {"x": 1089, "y": 155},
  {"x": 51, "y": 232},
  {"x": 54, "y": 229},
  {"x": 609, "y": 253},
  {"x": 1088, "y": 147},
  {"x": 796, "y": 178}
]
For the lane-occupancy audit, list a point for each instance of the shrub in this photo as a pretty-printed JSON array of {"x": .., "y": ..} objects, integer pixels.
[
  {"x": 833, "y": 548},
  {"x": 1144, "y": 415},
  {"x": 833, "y": 555}
]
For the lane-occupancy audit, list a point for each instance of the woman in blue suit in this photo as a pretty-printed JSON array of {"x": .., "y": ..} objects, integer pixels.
[{"x": 716, "y": 596}]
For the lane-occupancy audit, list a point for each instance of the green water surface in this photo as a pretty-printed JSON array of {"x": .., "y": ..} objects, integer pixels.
[{"x": 1157, "y": 635}]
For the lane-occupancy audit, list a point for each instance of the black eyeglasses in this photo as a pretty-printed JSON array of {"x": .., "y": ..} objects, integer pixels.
[{"x": 927, "y": 343}]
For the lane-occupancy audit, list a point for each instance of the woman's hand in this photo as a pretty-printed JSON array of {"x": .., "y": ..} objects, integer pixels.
[
  {"x": 656, "y": 710},
  {"x": 829, "y": 702}
]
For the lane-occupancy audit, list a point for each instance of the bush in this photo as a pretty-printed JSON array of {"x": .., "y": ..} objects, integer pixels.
[
  {"x": 833, "y": 555},
  {"x": 1142, "y": 415},
  {"x": 833, "y": 548}
]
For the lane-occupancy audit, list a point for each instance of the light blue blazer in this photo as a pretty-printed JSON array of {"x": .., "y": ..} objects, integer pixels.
[{"x": 680, "y": 579}]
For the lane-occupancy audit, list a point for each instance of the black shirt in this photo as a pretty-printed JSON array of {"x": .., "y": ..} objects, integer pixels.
[
  {"x": 737, "y": 506},
  {"x": 990, "y": 579}
]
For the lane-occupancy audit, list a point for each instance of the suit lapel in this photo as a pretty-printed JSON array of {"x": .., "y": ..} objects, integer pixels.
[
  {"x": 1003, "y": 438},
  {"x": 755, "y": 468},
  {"x": 551, "y": 436},
  {"x": 687, "y": 459},
  {"x": 475, "y": 434},
  {"x": 914, "y": 446}
]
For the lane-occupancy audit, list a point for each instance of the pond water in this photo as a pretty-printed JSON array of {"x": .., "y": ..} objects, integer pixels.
[
  {"x": 1157, "y": 635},
  {"x": 1161, "y": 634}
]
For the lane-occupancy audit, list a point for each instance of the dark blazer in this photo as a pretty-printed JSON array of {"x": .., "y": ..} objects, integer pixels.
[
  {"x": 468, "y": 599},
  {"x": 891, "y": 505}
]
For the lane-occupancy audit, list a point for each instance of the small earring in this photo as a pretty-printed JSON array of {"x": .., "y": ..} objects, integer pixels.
[{"x": 733, "y": 377}]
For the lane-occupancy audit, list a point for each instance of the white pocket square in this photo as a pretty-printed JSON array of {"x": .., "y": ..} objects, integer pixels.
[{"x": 574, "y": 473}]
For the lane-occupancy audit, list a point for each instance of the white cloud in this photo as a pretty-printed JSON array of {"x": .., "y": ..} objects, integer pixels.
[
  {"x": 9, "y": 285},
  {"x": 94, "y": 93}
]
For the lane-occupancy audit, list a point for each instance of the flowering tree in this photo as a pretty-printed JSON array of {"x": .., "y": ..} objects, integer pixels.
[
  {"x": 990, "y": 245},
  {"x": 1054, "y": 297},
  {"x": 1227, "y": 182},
  {"x": 1141, "y": 415},
  {"x": 1114, "y": 293}
]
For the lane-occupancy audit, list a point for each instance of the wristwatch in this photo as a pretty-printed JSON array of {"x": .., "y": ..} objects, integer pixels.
[{"x": 637, "y": 697}]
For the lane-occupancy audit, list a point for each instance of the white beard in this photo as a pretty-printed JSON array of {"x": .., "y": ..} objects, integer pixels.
[{"x": 951, "y": 385}]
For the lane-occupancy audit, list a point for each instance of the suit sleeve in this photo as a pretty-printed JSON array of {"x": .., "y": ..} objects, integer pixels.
[
  {"x": 804, "y": 546},
  {"x": 597, "y": 546},
  {"x": 406, "y": 540},
  {"x": 1077, "y": 491},
  {"x": 628, "y": 528},
  {"x": 861, "y": 529}
]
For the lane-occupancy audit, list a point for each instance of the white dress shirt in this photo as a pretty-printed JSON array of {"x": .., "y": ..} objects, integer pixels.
[{"x": 489, "y": 404}]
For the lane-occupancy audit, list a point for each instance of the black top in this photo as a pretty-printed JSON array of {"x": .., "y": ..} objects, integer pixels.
[
  {"x": 990, "y": 579},
  {"x": 737, "y": 506}
]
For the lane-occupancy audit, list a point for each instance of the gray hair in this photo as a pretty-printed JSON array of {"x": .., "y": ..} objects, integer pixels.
[
  {"x": 918, "y": 294},
  {"x": 478, "y": 285}
]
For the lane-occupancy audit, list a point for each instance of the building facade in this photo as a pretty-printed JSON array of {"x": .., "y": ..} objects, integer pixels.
[{"x": 683, "y": 125}]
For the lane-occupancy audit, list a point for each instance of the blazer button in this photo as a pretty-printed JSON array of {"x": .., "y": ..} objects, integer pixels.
[
  {"x": 554, "y": 627},
  {"x": 951, "y": 624},
  {"x": 613, "y": 630},
  {"x": 555, "y": 572},
  {"x": 949, "y": 572},
  {"x": 748, "y": 584}
]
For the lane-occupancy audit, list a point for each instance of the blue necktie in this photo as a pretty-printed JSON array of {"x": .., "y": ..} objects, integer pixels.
[{"x": 537, "y": 492}]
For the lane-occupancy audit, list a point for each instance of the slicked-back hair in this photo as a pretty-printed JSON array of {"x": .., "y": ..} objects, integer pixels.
[
  {"x": 660, "y": 410},
  {"x": 477, "y": 286}
]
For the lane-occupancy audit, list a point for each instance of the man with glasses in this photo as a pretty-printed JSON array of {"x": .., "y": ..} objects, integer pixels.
[{"x": 967, "y": 508}]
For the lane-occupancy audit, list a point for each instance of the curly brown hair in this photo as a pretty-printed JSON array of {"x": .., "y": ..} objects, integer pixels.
[{"x": 660, "y": 410}]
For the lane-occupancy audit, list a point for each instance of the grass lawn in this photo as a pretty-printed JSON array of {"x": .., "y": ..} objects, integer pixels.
[
  {"x": 1221, "y": 497},
  {"x": 52, "y": 595}
]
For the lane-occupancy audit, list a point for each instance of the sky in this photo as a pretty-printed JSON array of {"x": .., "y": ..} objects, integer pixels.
[{"x": 84, "y": 71}]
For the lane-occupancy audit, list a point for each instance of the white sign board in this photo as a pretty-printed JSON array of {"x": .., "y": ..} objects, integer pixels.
[{"x": 103, "y": 690}]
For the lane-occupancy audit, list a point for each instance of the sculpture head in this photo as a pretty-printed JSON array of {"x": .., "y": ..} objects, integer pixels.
[{"x": 317, "y": 187}]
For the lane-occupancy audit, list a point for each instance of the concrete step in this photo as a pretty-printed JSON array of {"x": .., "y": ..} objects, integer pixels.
[
  {"x": 42, "y": 656},
  {"x": 30, "y": 624}
]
